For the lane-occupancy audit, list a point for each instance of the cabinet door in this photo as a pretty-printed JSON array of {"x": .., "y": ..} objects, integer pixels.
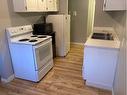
[
  {"x": 56, "y": 5},
  {"x": 41, "y": 5},
  {"x": 67, "y": 33},
  {"x": 110, "y": 5},
  {"x": 31, "y": 5},
  {"x": 35, "y": 5},
  {"x": 52, "y": 5}
]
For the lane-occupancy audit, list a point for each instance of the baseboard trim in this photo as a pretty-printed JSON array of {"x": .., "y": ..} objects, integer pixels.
[
  {"x": 74, "y": 43},
  {"x": 113, "y": 92},
  {"x": 106, "y": 87},
  {"x": 8, "y": 79}
]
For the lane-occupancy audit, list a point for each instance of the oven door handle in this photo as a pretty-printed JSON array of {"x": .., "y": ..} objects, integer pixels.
[{"x": 43, "y": 43}]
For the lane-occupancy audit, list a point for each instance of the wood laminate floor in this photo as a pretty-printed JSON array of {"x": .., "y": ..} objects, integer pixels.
[{"x": 64, "y": 79}]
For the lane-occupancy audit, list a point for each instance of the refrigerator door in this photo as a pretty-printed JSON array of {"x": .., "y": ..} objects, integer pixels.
[
  {"x": 66, "y": 34},
  {"x": 61, "y": 25}
]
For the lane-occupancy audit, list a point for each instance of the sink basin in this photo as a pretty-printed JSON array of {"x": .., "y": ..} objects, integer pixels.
[{"x": 102, "y": 36}]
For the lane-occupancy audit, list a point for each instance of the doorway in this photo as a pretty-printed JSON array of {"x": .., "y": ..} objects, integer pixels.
[{"x": 91, "y": 14}]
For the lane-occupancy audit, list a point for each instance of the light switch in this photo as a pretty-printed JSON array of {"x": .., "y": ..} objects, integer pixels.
[{"x": 74, "y": 13}]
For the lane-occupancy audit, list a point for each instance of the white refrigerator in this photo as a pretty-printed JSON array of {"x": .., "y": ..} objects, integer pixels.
[{"x": 61, "y": 25}]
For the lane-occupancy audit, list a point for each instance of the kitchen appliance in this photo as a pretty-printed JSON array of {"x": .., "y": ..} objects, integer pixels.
[
  {"x": 42, "y": 28},
  {"x": 61, "y": 25},
  {"x": 31, "y": 54},
  {"x": 100, "y": 58},
  {"x": 102, "y": 36},
  {"x": 46, "y": 29}
]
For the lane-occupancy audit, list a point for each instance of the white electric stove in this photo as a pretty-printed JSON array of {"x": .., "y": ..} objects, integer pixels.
[{"x": 31, "y": 54}]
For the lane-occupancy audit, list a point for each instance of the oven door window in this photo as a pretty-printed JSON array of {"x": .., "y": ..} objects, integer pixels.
[{"x": 43, "y": 54}]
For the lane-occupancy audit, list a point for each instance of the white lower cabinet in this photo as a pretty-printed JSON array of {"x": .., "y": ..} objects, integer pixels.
[
  {"x": 99, "y": 66},
  {"x": 36, "y": 5}
]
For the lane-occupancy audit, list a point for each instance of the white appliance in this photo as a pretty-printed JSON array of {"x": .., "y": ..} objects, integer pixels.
[
  {"x": 61, "y": 25},
  {"x": 31, "y": 54},
  {"x": 100, "y": 58}
]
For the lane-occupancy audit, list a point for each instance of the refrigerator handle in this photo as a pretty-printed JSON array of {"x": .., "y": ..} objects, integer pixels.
[{"x": 66, "y": 18}]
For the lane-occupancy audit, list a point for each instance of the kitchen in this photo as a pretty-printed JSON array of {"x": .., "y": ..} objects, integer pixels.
[{"x": 102, "y": 19}]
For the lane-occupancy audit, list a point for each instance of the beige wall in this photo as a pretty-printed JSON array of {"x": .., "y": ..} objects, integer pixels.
[
  {"x": 63, "y": 8},
  {"x": 9, "y": 18},
  {"x": 126, "y": 48},
  {"x": 5, "y": 65},
  {"x": 79, "y": 22},
  {"x": 120, "y": 78},
  {"x": 102, "y": 18}
]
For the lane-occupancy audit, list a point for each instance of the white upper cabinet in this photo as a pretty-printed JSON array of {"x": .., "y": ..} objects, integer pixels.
[
  {"x": 52, "y": 5},
  {"x": 35, "y": 5},
  {"x": 114, "y": 5},
  {"x": 41, "y": 5},
  {"x": 30, "y": 5},
  {"x": 56, "y": 5}
]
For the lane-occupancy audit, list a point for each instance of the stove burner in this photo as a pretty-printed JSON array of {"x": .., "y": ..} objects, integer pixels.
[
  {"x": 33, "y": 41},
  {"x": 44, "y": 36},
  {"x": 34, "y": 36},
  {"x": 24, "y": 40}
]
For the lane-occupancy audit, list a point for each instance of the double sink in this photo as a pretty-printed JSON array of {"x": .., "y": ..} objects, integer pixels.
[{"x": 102, "y": 36}]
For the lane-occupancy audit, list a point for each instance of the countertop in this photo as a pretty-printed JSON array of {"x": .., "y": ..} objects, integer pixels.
[{"x": 112, "y": 44}]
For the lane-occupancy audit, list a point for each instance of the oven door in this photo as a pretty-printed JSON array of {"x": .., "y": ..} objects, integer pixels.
[{"x": 43, "y": 53}]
